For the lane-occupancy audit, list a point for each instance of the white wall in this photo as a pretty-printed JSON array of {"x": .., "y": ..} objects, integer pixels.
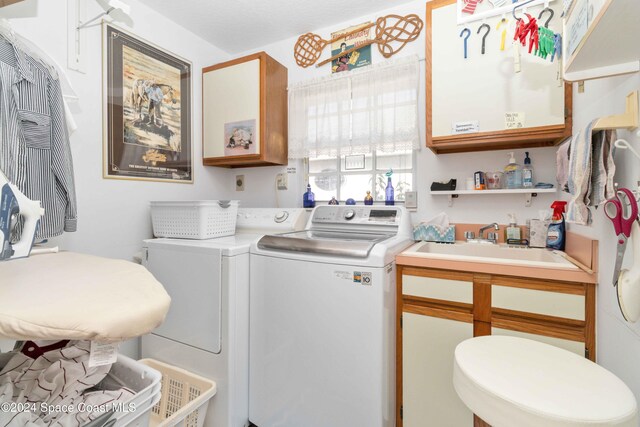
[
  {"x": 618, "y": 342},
  {"x": 260, "y": 186},
  {"x": 113, "y": 215}
]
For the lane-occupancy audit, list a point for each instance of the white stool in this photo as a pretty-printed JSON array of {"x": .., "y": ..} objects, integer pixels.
[{"x": 509, "y": 381}]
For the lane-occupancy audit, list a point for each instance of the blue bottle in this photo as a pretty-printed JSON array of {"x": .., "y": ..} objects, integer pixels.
[
  {"x": 308, "y": 199},
  {"x": 389, "y": 192}
]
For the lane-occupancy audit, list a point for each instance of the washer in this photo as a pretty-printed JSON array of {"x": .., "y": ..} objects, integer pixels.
[
  {"x": 322, "y": 320},
  {"x": 207, "y": 328}
]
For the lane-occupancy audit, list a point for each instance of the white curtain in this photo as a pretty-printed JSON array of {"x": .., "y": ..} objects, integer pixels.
[{"x": 358, "y": 112}]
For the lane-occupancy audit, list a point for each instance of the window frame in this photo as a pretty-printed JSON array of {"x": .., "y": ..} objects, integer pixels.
[{"x": 373, "y": 172}]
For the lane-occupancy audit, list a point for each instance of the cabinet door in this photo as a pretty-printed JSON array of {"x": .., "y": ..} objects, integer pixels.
[{"x": 429, "y": 398}]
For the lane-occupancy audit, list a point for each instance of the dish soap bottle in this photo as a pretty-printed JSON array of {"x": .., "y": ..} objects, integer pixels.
[
  {"x": 556, "y": 230},
  {"x": 389, "y": 192},
  {"x": 513, "y": 173},
  {"x": 308, "y": 198},
  {"x": 512, "y": 232},
  {"x": 527, "y": 172}
]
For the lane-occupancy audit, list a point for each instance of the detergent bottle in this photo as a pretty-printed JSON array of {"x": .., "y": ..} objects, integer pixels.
[{"x": 557, "y": 229}]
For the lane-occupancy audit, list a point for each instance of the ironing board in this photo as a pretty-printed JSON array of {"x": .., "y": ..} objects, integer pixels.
[{"x": 75, "y": 296}]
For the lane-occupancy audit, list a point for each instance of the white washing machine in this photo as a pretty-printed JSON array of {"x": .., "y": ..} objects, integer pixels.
[
  {"x": 322, "y": 320},
  {"x": 207, "y": 328}
]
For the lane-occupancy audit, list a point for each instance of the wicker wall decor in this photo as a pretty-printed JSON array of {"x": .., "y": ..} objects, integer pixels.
[{"x": 393, "y": 32}]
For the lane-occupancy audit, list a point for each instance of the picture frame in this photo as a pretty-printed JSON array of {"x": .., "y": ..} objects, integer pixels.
[{"x": 148, "y": 104}]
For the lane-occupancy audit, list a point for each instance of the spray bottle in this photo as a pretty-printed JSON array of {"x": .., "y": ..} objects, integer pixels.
[{"x": 557, "y": 229}]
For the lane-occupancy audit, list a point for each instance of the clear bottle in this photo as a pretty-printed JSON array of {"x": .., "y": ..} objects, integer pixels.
[
  {"x": 308, "y": 199},
  {"x": 389, "y": 193},
  {"x": 527, "y": 172},
  {"x": 513, "y": 173}
]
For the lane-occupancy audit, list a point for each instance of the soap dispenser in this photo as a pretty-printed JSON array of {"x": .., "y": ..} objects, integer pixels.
[
  {"x": 527, "y": 172},
  {"x": 513, "y": 173},
  {"x": 512, "y": 232}
]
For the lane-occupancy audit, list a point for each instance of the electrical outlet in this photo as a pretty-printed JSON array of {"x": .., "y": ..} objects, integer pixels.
[
  {"x": 282, "y": 181},
  {"x": 411, "y": 199},
  {"x": 239, "y": 182}
]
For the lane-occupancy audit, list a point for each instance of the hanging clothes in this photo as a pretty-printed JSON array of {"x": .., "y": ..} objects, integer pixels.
[{"x": 35, "y": 153}]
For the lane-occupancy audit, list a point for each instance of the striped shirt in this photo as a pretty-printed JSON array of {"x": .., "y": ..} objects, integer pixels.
[{"x": 35, "y": 153}]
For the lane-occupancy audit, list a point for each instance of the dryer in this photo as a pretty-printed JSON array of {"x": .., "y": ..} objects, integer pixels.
[
  {"x": 322, "y": 320},
  {"x": 207, "y": 328}
]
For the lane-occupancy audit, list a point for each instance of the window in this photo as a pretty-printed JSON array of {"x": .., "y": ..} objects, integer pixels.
[{"x": 351, "y": 176}]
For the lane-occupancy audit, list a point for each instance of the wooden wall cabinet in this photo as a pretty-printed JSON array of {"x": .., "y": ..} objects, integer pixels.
[
  {"x": 475, "y": 94},
  {"x": 438, "y": 309},
  {"x": 244, "y": 112}
]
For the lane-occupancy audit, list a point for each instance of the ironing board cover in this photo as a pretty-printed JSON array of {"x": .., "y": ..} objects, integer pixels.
[{"x": 80, "y": 297}]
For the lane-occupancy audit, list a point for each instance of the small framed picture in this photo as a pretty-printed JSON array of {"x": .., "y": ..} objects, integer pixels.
[
  {"x": 239, "y": 138},
  {"x": 147, "y": 116}
]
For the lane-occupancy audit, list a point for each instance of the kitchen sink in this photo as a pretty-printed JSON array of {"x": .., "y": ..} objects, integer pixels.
[{"x": 490, "y": 253}]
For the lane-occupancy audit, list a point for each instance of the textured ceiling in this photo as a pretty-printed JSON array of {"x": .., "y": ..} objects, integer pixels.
[{"x": 238, "y": 25}]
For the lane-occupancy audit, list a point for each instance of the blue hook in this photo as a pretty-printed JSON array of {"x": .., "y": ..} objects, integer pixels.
[{"x": 465, "y": 39}]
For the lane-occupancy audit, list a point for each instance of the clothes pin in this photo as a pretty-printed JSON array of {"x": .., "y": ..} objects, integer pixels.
[
  {"x": 517, "y": 65},
  {"x": 468, "y": 34},
  {"x": 503, "y": 37}
]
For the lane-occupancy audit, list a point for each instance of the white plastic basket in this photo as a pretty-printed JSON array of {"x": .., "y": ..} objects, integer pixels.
[
  {"x": 199, "y": 219},
  {"x": 185, "y": 397}
]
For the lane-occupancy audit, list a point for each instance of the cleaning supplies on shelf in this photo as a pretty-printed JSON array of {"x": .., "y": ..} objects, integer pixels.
[
  {"x": 512, "y": 232},
  {"x": 527, "y": 172},
  {"x": 557, "y": 228},
  {"x": 513, "y": 173},
  {"x": 368, "y": 199},
  {"x": 444, "y": 186},
  {"x": 493, "y": 180},
  {"x": 308, "y": 198},
  {"x": 389, "y": 192}
]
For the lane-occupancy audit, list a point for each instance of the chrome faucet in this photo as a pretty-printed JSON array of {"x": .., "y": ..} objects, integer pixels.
[{"x": 491, "y": 237}]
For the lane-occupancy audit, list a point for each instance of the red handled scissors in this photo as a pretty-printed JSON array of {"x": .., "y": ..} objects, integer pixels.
[{"x": 622, "y": 210}]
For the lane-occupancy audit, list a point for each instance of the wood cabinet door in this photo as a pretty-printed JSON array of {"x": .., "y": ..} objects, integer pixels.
[{"x": 429, "y": 398}]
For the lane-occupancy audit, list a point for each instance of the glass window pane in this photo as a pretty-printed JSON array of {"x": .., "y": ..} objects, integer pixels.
[
  {"x": 356, "y": 162},
  {"x": 355, "y": 187},
  {"x": 397, "y": 160},
  {"x": 324, "y": 186},
  {"x": 401, "y": 182},
  {"x": 323, "y": 164}
]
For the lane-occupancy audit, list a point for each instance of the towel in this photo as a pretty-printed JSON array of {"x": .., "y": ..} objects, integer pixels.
[
  {"x": 590, "y": 172},
  {"x": 562, "y": 163}
]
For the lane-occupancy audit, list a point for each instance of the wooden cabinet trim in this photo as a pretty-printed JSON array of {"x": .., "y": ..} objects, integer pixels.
[
  {"x": 443, "y": 313},
  {"x": 438, "y": 274},
  {"x": 590, "y": 325},
  {"x": 436, "y": 303},
  {"x": 482, "y": 298},
  {"x": 540, "y": 285},
  {"x": 527, "y": 317},
  {"x": 546, "y": 329}
]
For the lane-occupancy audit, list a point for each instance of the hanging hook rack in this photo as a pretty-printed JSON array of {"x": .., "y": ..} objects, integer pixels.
[{"x": 542, "y": 12}]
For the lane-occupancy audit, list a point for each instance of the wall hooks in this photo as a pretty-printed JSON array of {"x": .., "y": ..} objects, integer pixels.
[
  {"x": 504, "y": 21},
  {"x": 542, "y": 12},
  {"x": 485, "y": 34},
  {"x": 468, "y": 32}
]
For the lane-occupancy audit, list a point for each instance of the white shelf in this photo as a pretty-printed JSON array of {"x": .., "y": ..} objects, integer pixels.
[
  {"x": 610, "y": 45},
  {"x": 528, "y": 192}
]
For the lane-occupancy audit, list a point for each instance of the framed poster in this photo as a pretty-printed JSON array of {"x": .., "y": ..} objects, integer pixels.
[
  {"x": 356, "y": 59},
  {"x": 147, "y": 116}
]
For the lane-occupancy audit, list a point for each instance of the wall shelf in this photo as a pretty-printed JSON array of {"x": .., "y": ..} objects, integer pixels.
[
  {"x": 609, "y": 45},
  {"x": 528, "y": 193}
]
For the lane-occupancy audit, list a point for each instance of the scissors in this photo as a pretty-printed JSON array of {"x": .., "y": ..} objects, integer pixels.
[{"x": 622, "y": 210}]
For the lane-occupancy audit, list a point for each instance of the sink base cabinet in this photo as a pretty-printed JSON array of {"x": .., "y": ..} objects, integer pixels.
[{"x": 438, "y": 309}]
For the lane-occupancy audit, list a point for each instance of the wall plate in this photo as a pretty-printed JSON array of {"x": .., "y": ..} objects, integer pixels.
[
  {"x": 239, "y": 182},
  {"x": 282, "y": 181},
  {"x": 411, "y": 199}
]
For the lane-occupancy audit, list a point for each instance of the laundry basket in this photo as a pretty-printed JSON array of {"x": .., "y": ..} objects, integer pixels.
[
  {"x": 185, "y": 396},
  {"x": 199, "y": 219}
]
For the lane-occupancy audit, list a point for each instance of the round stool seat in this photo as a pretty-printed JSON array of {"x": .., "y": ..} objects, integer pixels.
[{"x": 509, "y": 381}]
